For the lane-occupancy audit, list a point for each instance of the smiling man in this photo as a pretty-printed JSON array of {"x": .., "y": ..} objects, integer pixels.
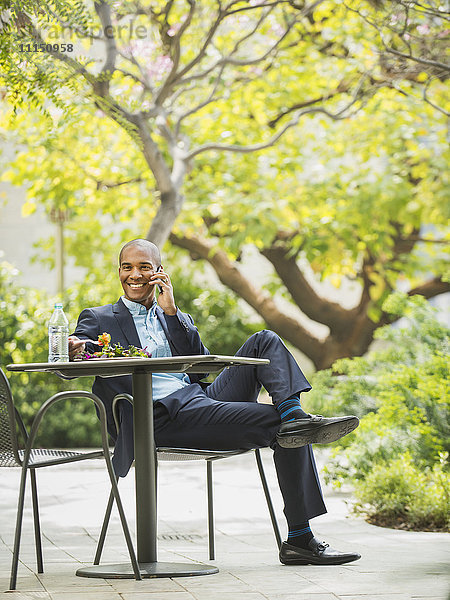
[
  {"x": 139, "y": 270},
  {"x": 223, "y": 415}
]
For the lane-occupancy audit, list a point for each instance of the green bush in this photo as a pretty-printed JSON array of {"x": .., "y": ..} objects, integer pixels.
[
  {"x": 24, "y": 313},
  {"x": 401, "y": 395},
  {"x": 399, "y": 494}
]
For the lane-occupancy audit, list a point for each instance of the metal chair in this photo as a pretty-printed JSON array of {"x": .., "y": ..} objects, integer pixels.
[
  {"x": 30, "y": 459},
  {"x": 183, "y": 454}
]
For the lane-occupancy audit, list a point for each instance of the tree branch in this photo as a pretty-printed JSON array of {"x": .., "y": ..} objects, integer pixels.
[
  {"x": 201, "y": 104},
  {"x": 174, "y": 78},
  {"x": 433, "y": 104},
  {"x": 153, "y": 156},
  {"x": 424, "y": 9},
  {"x": 107, "y": 185},
  {"x": 288, "y": 327},
  {"x": 241, "y": 9},
  {"x": 145, "y": 82},
  {"x": 103, "y": 9},
  {"x": 410, "y": 56},
  {"x": 342, "y": 88},
  {"x": 431, "y": 288},
  {"x": 341, "y": 114},
  {"x": 174, "y": 43},
  {"x": 101, "y": 97},
  {"x": 177, "y": 79},
  {"x": 254, "y": 61},
  {"x": 332, "y": 314},
  {"x": 423, "y": 61}
]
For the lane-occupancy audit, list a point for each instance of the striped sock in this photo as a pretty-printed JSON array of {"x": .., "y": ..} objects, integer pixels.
[
  {"x": 300, "y": 535},
  {"x": 291, "y": 409}
]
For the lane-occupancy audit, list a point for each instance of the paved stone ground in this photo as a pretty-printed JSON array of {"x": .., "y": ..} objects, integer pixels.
[{"x": 395, "y": 565}]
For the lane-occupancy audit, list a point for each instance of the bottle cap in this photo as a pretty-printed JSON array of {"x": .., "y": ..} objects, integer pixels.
[{"x": 58, "y": 305}]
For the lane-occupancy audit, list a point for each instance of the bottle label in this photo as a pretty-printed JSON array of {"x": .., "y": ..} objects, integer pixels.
[{"x": 58, "y": 344}]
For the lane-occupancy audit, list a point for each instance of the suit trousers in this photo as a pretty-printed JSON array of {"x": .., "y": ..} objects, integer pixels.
[{"x": 226, "y": 415}]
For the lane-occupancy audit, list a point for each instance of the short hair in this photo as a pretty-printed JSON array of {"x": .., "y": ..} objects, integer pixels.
[{"x": 143, "y": 244}]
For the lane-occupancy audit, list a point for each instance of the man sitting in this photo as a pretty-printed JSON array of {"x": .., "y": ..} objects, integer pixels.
[{"x": 223, "y": 415}]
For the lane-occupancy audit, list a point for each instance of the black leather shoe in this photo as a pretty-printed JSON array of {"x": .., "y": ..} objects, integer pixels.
[
  {"x": 315, "y": 429},
  {"x": 319, "y": 553}
]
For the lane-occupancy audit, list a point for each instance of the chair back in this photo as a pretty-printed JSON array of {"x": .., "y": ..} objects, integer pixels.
[{"x": 9, "y": 449}]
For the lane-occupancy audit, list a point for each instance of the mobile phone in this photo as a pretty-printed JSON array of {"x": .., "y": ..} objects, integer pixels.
[{"x": 159, "y": 286}]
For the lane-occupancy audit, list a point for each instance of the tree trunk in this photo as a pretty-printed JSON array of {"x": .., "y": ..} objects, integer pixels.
[{"x": 168, "y": 211}]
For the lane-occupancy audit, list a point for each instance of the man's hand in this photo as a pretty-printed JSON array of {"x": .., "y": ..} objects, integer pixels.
[
  {"x": 76, "y": 346},
  {"x": 165, "y": 297}
]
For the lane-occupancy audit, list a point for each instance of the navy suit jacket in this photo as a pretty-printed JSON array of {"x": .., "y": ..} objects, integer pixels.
[{"x": 115, "y": 319}]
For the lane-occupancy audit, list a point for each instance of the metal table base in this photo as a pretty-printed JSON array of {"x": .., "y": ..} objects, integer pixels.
[{"x": 148, "y": 570}]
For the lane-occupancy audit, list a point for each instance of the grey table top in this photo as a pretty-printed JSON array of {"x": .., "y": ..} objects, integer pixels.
[{"x": 111, "y": 367}]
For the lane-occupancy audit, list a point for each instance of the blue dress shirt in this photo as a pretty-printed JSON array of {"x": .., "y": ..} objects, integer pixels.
[{"x": 154, "y": 340}]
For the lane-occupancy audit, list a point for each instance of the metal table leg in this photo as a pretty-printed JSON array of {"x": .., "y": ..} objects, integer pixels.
[{"x": 146, "y": 515}]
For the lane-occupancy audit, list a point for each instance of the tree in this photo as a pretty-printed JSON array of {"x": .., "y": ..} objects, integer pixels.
[
  {"x": 220, "y": 90},
  {"x": 200, "y": 55},
  {"x": 413, "y": 40}
]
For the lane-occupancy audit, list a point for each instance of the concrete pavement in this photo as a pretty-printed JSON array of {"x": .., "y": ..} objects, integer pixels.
[{"x": 395, "y": 565}]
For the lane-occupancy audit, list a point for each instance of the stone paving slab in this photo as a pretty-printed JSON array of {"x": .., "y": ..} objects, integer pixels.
[{"x": 395, "y": 565}]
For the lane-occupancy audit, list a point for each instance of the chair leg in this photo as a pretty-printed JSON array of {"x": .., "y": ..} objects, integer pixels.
[
  {"x": 105, "y": 525},
  {"x": 209, "y": 487},
  {"x": 101, "y": 539},
  {"x": 18, "y": 532},
  {"x": 273, "y": 518},
  {"x": 126, "y": 531},
  {"x": 37, "y": 524}
]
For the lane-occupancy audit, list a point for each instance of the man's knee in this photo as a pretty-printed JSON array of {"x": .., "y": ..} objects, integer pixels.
[
  {"x": 264, "y": 335},
  {"x": 262, "y": 343},
  {"x": 269, "y": 334},
  {"x": 267, "y": 337}
]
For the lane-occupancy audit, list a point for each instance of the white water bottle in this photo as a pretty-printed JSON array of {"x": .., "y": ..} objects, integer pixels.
[{"x": 58, "y": 336}]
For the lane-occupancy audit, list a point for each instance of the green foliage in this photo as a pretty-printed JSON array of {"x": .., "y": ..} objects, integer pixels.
[
  {"x": 82, "y": 178},
  {"x": 355, "y": 189},
  {"x": 343, "y": 198},
  {"x": 31, "y": 78},
  {"x": 401, "y": 394},
  {"x": 24, "y": 314},
  {"x": 413, "y": 39},
  {"x": 401, "y": 494}
]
